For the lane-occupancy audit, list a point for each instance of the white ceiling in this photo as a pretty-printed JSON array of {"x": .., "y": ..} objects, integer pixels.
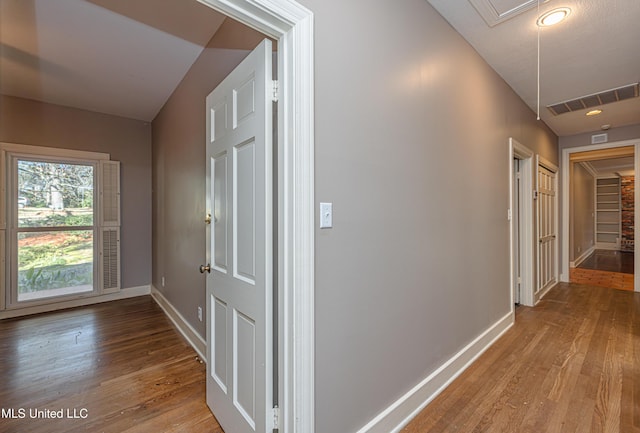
[
  {"x": 120, "y": 57},
  {"x": 593, "y": 50}
]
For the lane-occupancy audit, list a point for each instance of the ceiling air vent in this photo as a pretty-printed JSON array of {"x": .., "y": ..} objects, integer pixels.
[
  {"x": 599, "y": 138},
  {"x": 602, "y": 98}
]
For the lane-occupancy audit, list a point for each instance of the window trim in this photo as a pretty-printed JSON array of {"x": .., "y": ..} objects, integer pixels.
[
  {"x": 9, "y": 153},
  {"x": 54, "y": 152}
]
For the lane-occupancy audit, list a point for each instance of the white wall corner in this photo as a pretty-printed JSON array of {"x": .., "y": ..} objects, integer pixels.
[
  {"x": 191, "y": 335},
  {"x": 397, "y": 416}
]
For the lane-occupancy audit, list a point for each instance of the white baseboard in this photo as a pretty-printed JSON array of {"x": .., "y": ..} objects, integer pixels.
[
  {"x": 130, "y": 292},
  {"x": 187, "y": 331},
  {"x": 582, "y": 258},
  {"x": 398, "y": 415}
]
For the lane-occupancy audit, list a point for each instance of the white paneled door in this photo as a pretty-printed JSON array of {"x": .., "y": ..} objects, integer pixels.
[
  {"x": 547, "y": 229},
  {"x": 239, "y": 247}
]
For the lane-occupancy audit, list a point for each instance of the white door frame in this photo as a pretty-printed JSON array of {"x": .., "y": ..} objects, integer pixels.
[
  {"x": 292, "y": 26},
  {"x": 525, "y": 155},
  {"x": 565, "y": 160}
]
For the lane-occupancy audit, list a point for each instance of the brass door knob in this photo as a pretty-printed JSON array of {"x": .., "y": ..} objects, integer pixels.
[
  {"x": 208, "y": 219},
  {"x": 204, "y": 268}
]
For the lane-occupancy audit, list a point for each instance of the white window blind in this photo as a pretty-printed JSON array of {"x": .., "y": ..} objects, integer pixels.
[
  {"x": 109, "y": 248},
  {"x": 109, "y": 184}
]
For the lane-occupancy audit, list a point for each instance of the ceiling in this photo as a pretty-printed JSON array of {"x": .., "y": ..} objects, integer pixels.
[
  {"x": 604, "y": 167},
  {"x": 98, "y": 54},
  {"x": 595, "y": 49},
  {"x": 120, "y": 57}
]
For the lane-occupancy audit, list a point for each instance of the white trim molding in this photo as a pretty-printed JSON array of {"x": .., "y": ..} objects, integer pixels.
[
  {"x": 395, "y": 417},
  {"x": 52, "y": 151},
  {"x": 11, "y": 156},
  {"x": 565, "y": 161},
  {"x": 191, "y": 335},
  {"x": 590, "y": 169},
  {"x": 292, "y": 25},
  {"x": 547, "y": 164},
  {"x": 130, "y": 292},
  {"x": 526, "y": 212}
]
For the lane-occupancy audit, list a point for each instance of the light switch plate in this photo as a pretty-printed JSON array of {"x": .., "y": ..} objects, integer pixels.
[{"x": 326, "y": 215}]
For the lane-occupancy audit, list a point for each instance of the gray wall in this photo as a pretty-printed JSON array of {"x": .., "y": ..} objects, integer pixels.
[
  {"x": 582, "y": 209},
  {"x": 615, "y": 134},
  {"x": 25, "y": 121},
  {"x": 412, "y": 149},
  {"x": 179, "y": 173}
]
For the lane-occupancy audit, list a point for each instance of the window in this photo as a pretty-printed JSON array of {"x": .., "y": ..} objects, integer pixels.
[
  {"x": 54, "y": 228},
  {"x": 62, "y": 225}
]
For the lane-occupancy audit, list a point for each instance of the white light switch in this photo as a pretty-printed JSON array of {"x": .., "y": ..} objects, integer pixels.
[{"x": 326, "y": 215}]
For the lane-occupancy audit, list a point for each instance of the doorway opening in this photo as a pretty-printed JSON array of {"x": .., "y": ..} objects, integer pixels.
[
  {"x": 602, "y": 216},
  {"x": 292, "y": 26},
  {"x": 595, "y": 250}
]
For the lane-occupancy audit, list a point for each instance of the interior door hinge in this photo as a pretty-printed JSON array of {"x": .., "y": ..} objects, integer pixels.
[
  {"x": 276, "y": 419},
  {"x": 274, "y": 96}
]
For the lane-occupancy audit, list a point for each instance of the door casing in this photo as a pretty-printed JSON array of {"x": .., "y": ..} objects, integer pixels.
[
  {"x": 525, "y": 155},
  {"x": 565, "y": 191},
  {"x": 291, "y": 24}
]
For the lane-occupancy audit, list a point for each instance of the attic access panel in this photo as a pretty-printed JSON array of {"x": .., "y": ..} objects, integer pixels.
[{"x": 496, "y": 11}]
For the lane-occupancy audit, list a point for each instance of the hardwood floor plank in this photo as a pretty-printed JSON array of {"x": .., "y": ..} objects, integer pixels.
[
  {"x": 569, "y": 365},
  {"x": 122, "y": 362}
]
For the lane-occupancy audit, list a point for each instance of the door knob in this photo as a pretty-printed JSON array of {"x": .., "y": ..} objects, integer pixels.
[
  {"x": 204, "y": 268},
  {"x": 208, "y": 219}
]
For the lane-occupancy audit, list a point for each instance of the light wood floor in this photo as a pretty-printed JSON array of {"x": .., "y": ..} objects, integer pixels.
[
  {"x": 121, "y": 361},
  {"x": 569, "y": 365},
  {"x": 612, "y": 280}
]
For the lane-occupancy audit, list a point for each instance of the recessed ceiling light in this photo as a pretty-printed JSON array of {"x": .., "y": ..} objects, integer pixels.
[
  {"x": 594, "y": 112},
  {"x": 553, "y": 17}
]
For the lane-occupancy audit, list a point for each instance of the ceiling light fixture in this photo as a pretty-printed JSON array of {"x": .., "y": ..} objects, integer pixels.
[
  {"x": 594, "y": 112},
  {"x": 553, "y": 17}
]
